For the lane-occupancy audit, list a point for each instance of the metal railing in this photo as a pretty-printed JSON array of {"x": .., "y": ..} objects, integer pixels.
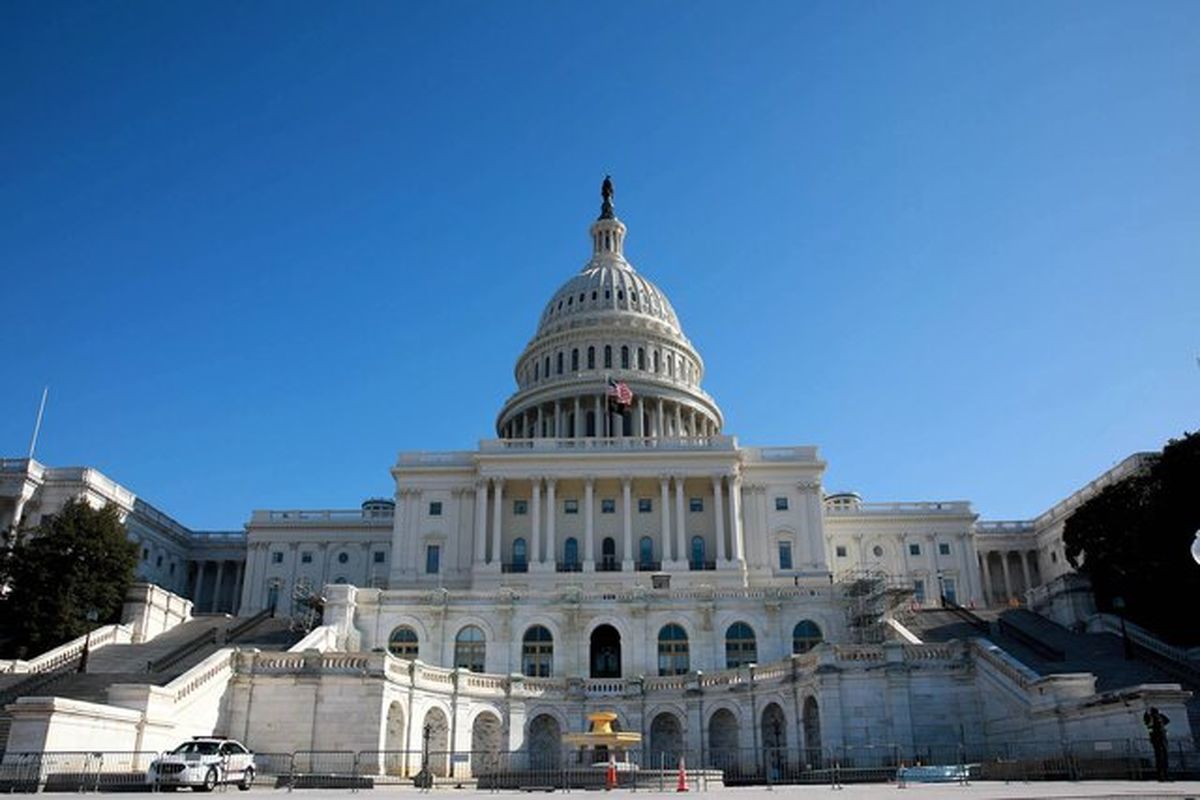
[{"x": 660, "y": 765}]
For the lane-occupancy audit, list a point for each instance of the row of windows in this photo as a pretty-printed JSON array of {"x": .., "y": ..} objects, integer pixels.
[
  {"x": 914, "y": 549},
  {"x": 537, "y": 647},
  {"x": 626, "y": 357},
  {"x": 306, "y": 557},
  {"x": 608, "y": 505},
  {"x": 572, "y": 300}
]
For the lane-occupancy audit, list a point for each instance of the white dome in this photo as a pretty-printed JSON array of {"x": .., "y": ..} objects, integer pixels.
[{"x": 606, "y": 286}]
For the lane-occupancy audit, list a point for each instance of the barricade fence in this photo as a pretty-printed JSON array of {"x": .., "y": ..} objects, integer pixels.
[{"x": 659, "y": 766}]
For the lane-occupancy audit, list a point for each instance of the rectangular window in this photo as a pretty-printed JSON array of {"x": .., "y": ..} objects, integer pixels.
[
  {"x": 378, "y": 556},
  {"x": 433, "y": 559},
  {"x": 943, "y": 548},
  {"x": 608, "y": 506},
  {"x": 781, "y": 504},
  {"x": 435, "y": 508},
  {"x": 919, "y": 591},
  {"x": 306, "y": 557},
  {"x": 277, "y": 557},
  {"x": 520, "y": 507},
  {"x": 570, "y": 506},
  {"x": 785, "y": 555},
  {"x": 696, "y": 505},
  {"x": 645, "y": 506},
  {"x": 914, "y": 549},
  {"x": 145, "y": 554},
  {"x": 841, "y": 551},
  {"x": 158, "y": 561}
]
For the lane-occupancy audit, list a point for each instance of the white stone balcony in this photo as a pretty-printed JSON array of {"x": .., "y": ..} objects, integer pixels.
[
  {"x": 322, "y": 516},
  {"x": 947, "y": 508},
  {"x": 622, "y": 444}
]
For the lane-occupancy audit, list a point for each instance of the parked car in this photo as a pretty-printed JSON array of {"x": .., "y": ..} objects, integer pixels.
[{"x": 202, "y": 763}]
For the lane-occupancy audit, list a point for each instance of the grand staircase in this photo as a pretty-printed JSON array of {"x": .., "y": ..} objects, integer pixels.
[
  {"x": 1048, "y": 648},
  {"x": 156, "y": 662}
]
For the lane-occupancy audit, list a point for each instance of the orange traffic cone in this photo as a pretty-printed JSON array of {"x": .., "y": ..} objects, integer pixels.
[
  {"x": 610, "y": 774},
  {"x": 681, "y": 784}
]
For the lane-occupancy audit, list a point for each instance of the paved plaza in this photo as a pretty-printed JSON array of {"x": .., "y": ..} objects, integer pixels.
[{"x": 983, "y": 790}]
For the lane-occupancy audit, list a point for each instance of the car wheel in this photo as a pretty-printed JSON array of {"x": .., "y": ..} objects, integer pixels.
[
  {"x": 247, "y": 780},
  {"x": 210, "y": 781}
]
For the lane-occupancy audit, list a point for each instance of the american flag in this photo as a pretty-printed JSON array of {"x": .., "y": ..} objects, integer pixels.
[{"x": 620, "y": 391}]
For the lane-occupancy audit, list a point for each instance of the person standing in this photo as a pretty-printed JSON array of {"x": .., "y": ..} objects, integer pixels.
[{"x": 1156, "y": 725}]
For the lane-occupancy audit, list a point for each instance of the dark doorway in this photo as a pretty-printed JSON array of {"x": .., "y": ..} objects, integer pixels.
[{"x": 606, "y": 652}]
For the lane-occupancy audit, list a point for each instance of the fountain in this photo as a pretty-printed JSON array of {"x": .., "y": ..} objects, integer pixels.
[{"x": 604, "y": 742}]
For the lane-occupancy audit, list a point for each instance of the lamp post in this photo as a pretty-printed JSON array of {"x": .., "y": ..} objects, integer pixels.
[
  {"x": 92, "y": 615},
  {"x": 1119, "y": 605},
  {"x": 423, "y": 779}
]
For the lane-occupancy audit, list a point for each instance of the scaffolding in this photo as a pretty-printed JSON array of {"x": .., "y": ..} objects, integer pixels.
[{"x": 871, "y": 597}]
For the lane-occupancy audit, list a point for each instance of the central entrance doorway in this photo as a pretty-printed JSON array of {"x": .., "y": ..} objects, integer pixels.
[{"x": 606, "y": 652}]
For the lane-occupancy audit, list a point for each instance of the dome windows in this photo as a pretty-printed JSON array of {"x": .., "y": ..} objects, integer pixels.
[
  {"x": 591, "y": 357},
  {"x": 575, "y": 360},
  {"x": 608, "y": 356},
  {"x": 641, "y": 358},
  {"x": 624, "y": 356}
]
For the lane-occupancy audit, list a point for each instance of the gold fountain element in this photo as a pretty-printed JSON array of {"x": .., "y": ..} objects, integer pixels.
[{"x": 601, "y": 736}]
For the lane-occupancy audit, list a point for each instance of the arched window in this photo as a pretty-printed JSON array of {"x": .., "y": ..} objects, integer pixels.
[
  {"x": 672, "y": 650},
  {"x": 624, "y": 356},
  {"x": 403, "y": 643},
  {"x": 546, "y": 366},
  {"x": 805, "y": 636},
  {"x": 670, "y": 365},
  {"x": 470, "y": 647},
  {"x": 520, "y": 559},
  {"x": 591, "y": 362},
  {"x": 575, "y": 360},
  {"x": 655, "y": 361},
  {"x": 608, "y": 555},
  {"x": 641, "y": 358},
  {"x": 571, "y": 554},
  {"x": 646, "y": 553},
  {"x": 537, "y": 652},
  {"x": 537, "y": 371},
  {"x": 559, "y": 365},
  {"x": 697, "y": 552},
  {"x": 740, "y": 646},
  {"x": 608, "y": 356}
]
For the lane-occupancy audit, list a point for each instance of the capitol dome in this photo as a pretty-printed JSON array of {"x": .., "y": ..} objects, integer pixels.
[{"x": 608, "y": 329}]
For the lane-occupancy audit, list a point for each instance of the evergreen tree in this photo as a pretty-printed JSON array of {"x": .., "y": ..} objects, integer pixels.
[
  {"x": 1133, "y": 541},
  {"x": 76, "y": 562}
]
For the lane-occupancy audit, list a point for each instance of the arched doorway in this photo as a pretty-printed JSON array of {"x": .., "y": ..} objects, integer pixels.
[
  {"x": 666, "y": 741},
  {"x": 485, "y": 745},
  {"x": 439, "y": 742},
  {"x": 605, "y": 652},
  {"x": 545, "y": 743},
  {"x": 811, "y": 722},
  {"x": 774, "y": 740},
  {"x": 723, "y": 742},
  {"x": 392, "y": 761}
]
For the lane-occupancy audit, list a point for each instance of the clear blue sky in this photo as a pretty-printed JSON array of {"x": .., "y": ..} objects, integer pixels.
[{"x": 255, "y": 249}]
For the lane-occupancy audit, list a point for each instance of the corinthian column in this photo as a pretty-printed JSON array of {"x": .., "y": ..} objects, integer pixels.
[{"x": 497, "y": 522}]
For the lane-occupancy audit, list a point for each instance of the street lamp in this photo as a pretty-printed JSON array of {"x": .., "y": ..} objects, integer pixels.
[{"x": 92, "y": 615}]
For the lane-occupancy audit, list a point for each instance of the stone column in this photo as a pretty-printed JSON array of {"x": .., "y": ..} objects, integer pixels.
[
  {"x": 660, "y": 420},
  {"x": 735, "y": 515},
  {"x": 239, "y": 579},
  {"x": 589, "y": 525},
  {"x": 987, "y": 578},
  {"x": 1008, "y": 592},
  {"x": 497, "y": 522},
  {"x": 551, "y": 513},
  {"x": 681, "y": 549},
  {"x": 719, "y": 512},
  {"x": 678, "y": 420},
  {"x": 481, "y": 493},
  {"x": 639, "y": 421},
  {"x": 627, "y": 496},
  {"x": 665, "y": 492},
  {"x": 598, "y": 413},
  {"x": 580, "y": 428},
  {"x": 1025, "y": 572},
  {"x": 558, "y": 420},
  {"x": 216, "y": 598},
  {"x": 535, "y": 525}
]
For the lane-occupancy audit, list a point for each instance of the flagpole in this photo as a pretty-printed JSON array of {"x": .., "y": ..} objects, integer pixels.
[{"x": 37, "y": 426}]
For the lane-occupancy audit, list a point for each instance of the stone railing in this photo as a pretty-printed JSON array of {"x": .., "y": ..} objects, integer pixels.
[
  {"x": 216, "y": 667},
  {"x": 322, "y": 638},
  {"x": 630, "y": 594},
  {"x": 72, "y": 651},
  {"x": 471, "y": 684},
  {"x": 611, "y": 443},
  {"x": 321, "y": 515},
  {"x": 957, "y": 507},
  {"x": 994, "y": 527}
]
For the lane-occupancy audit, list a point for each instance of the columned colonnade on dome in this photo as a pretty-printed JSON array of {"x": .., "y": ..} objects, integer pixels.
[{"x": 592, "y": 416}]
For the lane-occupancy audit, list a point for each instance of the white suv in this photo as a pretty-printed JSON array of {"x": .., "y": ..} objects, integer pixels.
[{"x": 202, "y": 763}]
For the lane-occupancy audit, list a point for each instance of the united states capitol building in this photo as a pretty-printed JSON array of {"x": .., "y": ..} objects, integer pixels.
[{"x": 612, "y": 547}]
